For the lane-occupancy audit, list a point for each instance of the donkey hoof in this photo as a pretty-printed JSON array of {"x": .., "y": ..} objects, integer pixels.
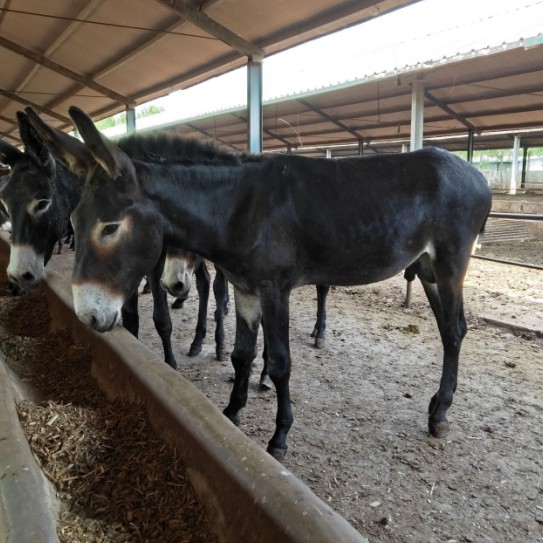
[
  {"x": 220, "y": 353},
  {"x": 278, "y": 453},
  {"x": 195, "y": 350},
  {"x": 234, "y": 419},
  {"x": 438, "y": 429},
  {"x": 173, "y": 364},
  {"x": 319, "y": 343},
  {"x": 265, "y": 384}
]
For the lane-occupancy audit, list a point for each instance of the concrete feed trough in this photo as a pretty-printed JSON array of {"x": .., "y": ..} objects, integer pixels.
[{"x": 250, "y": 496}]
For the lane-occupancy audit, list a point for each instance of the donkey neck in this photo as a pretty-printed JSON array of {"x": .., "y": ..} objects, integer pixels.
[
  {"x": 68, "y": 187},
  {"x": 195, "y": 202}
]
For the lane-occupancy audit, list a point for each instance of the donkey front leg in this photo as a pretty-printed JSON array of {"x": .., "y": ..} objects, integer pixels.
[
  {"x": 275, "y": 322},
  {"x": 161, "y": 314},
  {"x": 203, "y": 281},
  {"x": 220, "y": 290},
  {"x": 248, "y": 315},
  {"x": 129, "y": 311}
]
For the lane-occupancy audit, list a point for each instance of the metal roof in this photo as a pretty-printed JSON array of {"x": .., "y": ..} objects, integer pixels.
[
  {"x": 494, "y": 92},
  {"x": 106, "y": 55}
]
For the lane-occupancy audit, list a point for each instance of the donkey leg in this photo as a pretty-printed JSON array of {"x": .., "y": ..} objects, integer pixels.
[
  {"x": 203, "y": 281},
  {"x": 220, "y": 290},
  {"x": 161, "y": 314},
  {"x": 248, "y": 314},
  {"x": 265, "y": 383},
  {"x": 320, "y": 325},
  {"x": 445, "y": 298},
  {"x": 129, "y": 311},
  {"x": 275, "y": 311}
]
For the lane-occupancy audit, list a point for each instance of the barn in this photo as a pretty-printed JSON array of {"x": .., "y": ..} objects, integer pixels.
[{"x": 381, "y": 477}]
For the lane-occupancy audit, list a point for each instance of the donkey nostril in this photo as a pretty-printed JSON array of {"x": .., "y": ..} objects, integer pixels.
[
  {"x": 28, "y": 276},
  {"x": 179, "y": 286},
  {"x": 93, "y": 321}
]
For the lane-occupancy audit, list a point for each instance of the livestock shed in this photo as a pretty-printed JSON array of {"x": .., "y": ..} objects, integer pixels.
[
  {"x": 361, "y": 440},
  {"x": 481, "y": 98},
  {"x": 478, "y": 99},
  {"x": 106, "y": 57}
]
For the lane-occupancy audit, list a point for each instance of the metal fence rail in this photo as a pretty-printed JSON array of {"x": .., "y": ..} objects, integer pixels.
[{"x": 517, "y": 217}]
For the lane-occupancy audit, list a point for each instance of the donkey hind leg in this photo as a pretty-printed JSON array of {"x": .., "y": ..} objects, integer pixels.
[
  {"x": 225, "y": 296},
  {"x": 444, "y": 293},
  {"x": 275, "y": 311},
  {"x": 220, "y": 290},
  {"x": 320, "y": 325},
  {"x": 265, "y": 383},
  {"x": 248, "y": 315},
  {"x": 203, "y": 282},
  {"x": 161, "y": 314}
]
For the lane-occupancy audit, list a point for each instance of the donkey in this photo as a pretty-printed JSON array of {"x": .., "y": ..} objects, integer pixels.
[
  {"x": 157, "y": 147},
  {"x": 273, "y": 224},
  {"x": 40, "y": 193}
]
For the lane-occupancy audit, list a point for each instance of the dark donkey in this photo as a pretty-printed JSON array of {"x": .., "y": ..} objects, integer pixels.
[
  {"x": 274, "y": 224},
  {"x": 160, "y": 148},
  {"x": 40, "y": 194}
]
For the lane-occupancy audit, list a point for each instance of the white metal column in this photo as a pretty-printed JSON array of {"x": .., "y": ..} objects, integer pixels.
[
  {"x": 254, "y": 105},
  {"x": 417, "y": 114},
  {"x": 130, "y": 120},
  {"x": 417, "y": 131},
  {"x": 514, "y": 166}
]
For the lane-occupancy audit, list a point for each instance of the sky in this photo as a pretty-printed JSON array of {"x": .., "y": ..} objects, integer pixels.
[{"x": 428, "y": 30}]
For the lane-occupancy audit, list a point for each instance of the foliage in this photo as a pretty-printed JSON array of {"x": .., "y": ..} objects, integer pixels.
[{"x": 120, "y": 118}]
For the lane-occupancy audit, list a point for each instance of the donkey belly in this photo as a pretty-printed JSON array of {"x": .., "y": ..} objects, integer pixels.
[{"x": 364, "y": 267}]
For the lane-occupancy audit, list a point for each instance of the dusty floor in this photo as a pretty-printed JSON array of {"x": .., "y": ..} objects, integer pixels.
[{"x": 359, "y": 438}]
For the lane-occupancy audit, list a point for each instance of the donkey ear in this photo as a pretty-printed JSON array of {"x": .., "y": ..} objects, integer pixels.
[
  {"x": 105, "y": 152},
  {"x": 9, "y": 154},
  {"x": 34, "y": 145},
  {"x": 69, "y": 150}
]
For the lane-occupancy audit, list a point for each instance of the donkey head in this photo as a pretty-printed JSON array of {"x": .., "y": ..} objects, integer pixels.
[
  {"x": 118, "y": 236},
  {"x": 29, "y": 195}
]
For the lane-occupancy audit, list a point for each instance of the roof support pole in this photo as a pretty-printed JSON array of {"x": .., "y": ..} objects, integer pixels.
[
  {"x": 417, "y": 114},
  {"x": 417, "y": 130},
  {"x": 471, "y": 142},
  {"x": 254, "y": 105},
  {"x": 130, "y": 120},
  {"x": 524, "y": 167},
  {"x": 514, "y": 166},
  {"x": 361, "y": 146},
  {"x": 328, "y": 153}
]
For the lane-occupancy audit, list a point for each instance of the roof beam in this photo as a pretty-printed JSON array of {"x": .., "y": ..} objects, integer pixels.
[
  {"x": 208, "y": 135},
  {"x": 449, "y": 110},
  {"x": 69, "y": 30},
  {"x": 265, "y": 130},
  {"x": 211, "y": 27},
  {"x": 11, "y": 137},
  {"x": 8, "y": 120},
  {"x": 330, "y": 20},
  {"x": 81, "y": 79},
  {"x": 50, "y": 112},
  {"x": 329, "y": 118}
]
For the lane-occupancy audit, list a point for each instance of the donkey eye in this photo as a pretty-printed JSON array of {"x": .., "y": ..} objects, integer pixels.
[
  {"x": 109, "y": 229},
  {"x": 41, "y": 206}
]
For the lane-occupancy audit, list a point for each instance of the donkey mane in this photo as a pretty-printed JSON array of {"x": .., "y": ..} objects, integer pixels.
[{"x": 159, "y": 147}]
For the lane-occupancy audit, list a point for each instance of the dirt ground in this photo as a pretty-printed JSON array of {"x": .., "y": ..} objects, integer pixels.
[{"x": 360, "y": 439}]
